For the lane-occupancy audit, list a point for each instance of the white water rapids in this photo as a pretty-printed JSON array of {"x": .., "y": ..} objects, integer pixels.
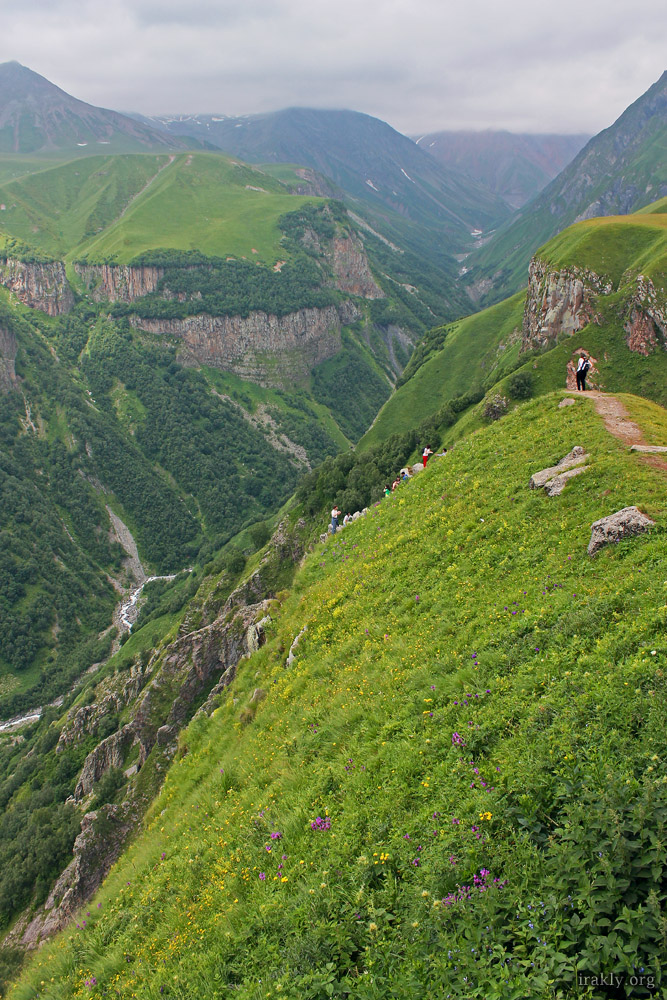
[{"x": 126, "y": 617}]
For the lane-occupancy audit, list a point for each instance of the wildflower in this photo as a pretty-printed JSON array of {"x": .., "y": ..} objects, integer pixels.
[
  {"x": 372, "y": 927},
  {"x": 262, "y": 876}
]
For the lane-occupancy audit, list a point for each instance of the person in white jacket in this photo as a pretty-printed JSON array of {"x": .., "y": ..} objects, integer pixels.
[{"x": 582, "y": 371}]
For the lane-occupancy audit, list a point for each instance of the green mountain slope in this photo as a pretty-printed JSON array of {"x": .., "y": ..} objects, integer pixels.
[
  {"x": 456, "y": 785},
  {"x": 115, "y": 207},
  {"x": 619, "y": 171},
  {"x": 448, "y": 362}
]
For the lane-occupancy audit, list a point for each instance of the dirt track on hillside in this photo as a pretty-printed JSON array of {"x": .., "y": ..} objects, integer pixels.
[{"x": 617, "y": 421}]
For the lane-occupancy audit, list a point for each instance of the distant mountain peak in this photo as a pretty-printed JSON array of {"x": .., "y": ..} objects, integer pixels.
[{"x": 36, "y": 116}]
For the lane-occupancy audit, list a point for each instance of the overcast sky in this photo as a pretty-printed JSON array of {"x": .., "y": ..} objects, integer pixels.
[{"x": 422, "y": 65}]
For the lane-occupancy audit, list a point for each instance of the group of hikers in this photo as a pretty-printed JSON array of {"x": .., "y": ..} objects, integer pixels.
[{"x": 404, "y": 474}]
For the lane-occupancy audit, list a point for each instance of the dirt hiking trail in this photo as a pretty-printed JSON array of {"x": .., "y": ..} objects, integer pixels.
[{"x": 617, "y": 421}]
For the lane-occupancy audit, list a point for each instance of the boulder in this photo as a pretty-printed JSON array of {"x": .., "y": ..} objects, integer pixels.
[
  {"x": 568, "y": 401},
  {"x": 556, "y": 485},
  {"x": 623, "y": 524},
  {"x": 575, "y": 457}
]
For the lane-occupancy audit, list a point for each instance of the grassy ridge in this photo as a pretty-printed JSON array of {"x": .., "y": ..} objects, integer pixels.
[
  {"x": 613, "y": 245},
  {"x": 103, "y": 207},
  {"x": 458, "y": 788}
]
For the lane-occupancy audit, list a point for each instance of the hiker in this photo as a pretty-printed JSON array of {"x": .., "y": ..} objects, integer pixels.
[
  {"x": 404, "y": 473},
  {"x": 346, "y": 520},
  {"x": 582, "y": 371},
  {"x": 395, "y": 484},
  {"x": 426, "y": 454},
  {"x": 335, "y": 514},
  {"x": 387, "y": 491}
]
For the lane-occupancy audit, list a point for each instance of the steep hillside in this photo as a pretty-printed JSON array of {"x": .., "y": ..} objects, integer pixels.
[
  {"x": 442, "y": 773},
  {"x": 619, "y": 171},
  {"x": 515, "y": 167},
  {"x": 600, "y": 287},
  {"x": 36, "y": 116}
]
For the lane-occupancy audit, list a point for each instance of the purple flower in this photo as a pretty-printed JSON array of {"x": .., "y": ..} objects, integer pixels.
[{"x": 262, "y": 877}]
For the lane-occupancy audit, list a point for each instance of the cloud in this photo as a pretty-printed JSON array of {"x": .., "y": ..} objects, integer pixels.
[{"x": 422, "y": 65}]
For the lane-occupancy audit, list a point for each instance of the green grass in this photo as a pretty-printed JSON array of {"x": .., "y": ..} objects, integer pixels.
[
  {"x": 466, "y": 670},
  {"x": 103, "y": 207},
  {"x": 56, "y": 210},
  {"x": 472, "y": 353}
]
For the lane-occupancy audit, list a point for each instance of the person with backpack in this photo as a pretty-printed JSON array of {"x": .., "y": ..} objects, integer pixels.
[{"x": 582, "y": 371}]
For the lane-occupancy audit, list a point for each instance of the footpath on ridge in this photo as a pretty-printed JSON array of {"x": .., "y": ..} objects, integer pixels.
[{"x": 618, "y": 423}]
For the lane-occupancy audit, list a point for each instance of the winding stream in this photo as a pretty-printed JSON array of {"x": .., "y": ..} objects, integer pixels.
[{"x": 126, "y": 616}]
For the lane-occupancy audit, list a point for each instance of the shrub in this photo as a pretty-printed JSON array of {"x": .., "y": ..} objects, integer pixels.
[
  {"x": 520, "y": 385},
  {"x": 495, "y": 408},
  {"x": 260, "y": 534}
]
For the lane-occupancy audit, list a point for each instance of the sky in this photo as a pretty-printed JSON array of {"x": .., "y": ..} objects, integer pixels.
[{"x": 422, "y": 65}]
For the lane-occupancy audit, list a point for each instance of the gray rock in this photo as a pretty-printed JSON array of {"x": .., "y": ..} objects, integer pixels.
[
  {"x": 623, "y": 524},
  {"x": 290, "y": 657},
  {"x": 556, "y": 485},
  {"x": 650, "y": 448},
  {"x": 568, "y": 401},
  {"x": 575, "y": 457},
  {"x": 417, "y": 467}
]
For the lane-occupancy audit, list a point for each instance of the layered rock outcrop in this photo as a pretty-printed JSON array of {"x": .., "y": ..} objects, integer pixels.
[
  {"x": 119, "y": 283},
  {"x": 38, "y": 285},
  {"x": 7, "y": 356},
  {"x": 267, "y": 349},
  {"x": 559, "y": 301}
]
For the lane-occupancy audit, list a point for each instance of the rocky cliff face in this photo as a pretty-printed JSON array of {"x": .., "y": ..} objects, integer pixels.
[
  {"x": 38, "y": 285},
  {"x": 267, "y": 349},
  {"x": 174, "y": 682},
  {"x": 114, "y": 283},
  {"x": 7, "y": 356},
  {"x": 351, "y": 269},
  {"x": 563, "y": 301},
  {"x": 646, "y": 321},
  {"x": 559, "y": 302}
]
